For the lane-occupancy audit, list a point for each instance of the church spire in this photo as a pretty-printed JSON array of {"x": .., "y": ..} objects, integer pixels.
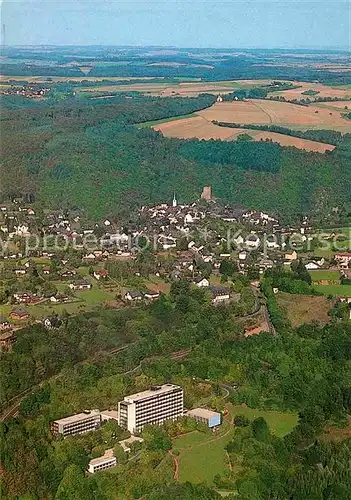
[{"x": 174, "y": 202}]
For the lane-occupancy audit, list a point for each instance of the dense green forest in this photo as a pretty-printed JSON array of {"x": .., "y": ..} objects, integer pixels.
[
  {"x": 304, "y": 369},
  {"x": 91, "y": 156}
]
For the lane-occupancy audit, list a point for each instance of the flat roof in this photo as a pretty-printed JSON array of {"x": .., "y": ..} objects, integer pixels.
[
  {"x": 150, "y": 393},
  {"x": 203, "y": 413},
  {"x": 109, "y": 413},
  {"x": 77, "y": 417},
  {"x": 102, "y": 460}
]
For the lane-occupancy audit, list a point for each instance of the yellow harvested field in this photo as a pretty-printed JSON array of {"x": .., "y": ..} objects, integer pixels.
[
  {"x": 199, "y": 128},
  {"x": 324, "y": 91},
  {"x": 194, "y": 127},
  {"x": 266, "y": 112},
  {"x": 339, "y": 105}
]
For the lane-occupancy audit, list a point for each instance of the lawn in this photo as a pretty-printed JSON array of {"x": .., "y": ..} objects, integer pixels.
[
  {"x": 335, "y": 290},
  {"x": 94, "y": 296},
  {"x": 280, "y": 423},
  {"x": 203, "y": 455},
  {"x": 325, "y": 275}
]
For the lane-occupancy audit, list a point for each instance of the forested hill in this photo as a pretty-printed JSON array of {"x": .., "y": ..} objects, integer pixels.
[{"x": 93, "y": 157}]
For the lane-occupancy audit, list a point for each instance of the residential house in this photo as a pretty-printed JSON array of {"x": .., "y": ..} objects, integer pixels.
[
  {"x": 133, "y": 295},
  {"x": 89, "y": 257},
  {"x": 19, "y": 314},
  {"x": 242, "y": 255},
  {"x": 4, "y": 324},
  {"x": 319, "y": 260},
  {"x": 219, "y": 294},
  {"x": 52, "y": 322},
  {"x": 59, "y": 298},
  {"x": 20, "y": 271},
  {"x": 312, "y": 266},
  {"x": 101, "y": 274},
  {"x": 265, "y": 264},
  {"x": 68, "y": 273},
  {"x": 200, "y": 281},
  {"x": 80, "y": 285},
  {"x": 343, "y": 259},
  {"x": 26, "y": 298},
  {"x": 290, "y": 256}
]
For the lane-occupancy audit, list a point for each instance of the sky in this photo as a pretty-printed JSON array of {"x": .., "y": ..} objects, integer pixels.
[{"x": 180, "y": 23}]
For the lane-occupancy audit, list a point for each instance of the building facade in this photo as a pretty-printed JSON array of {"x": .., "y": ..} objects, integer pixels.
[
  {"x": 154, "y": 406},
  {"x": 77, "y": 424},
  {"x": 204, "y": 416},
  {"x": 101, "y": 463}
]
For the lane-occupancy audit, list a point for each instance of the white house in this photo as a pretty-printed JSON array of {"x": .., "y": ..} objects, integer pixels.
[
  {"x": 311, "y": 266},
  {"x": 133, "y": 295},
  {"x": 201, "y": 282},
  {"x": 242, "y": 255}
]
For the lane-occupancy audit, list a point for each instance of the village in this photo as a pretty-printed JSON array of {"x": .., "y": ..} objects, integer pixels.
[{"x": 54, "y": 264}]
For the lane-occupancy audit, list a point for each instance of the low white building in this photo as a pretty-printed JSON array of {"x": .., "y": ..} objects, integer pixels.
[{"x": 102, "y": 463}]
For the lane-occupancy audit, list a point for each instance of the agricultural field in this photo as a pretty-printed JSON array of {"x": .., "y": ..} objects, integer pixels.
[
  {"x": 323, "y": 91},
  {"x": 189, "y": 88},
  {"x": 200, "y": 128},
  {"x": 337, "y": 105},
  {"x": 194, "y": 127},
  {"x": 182, "y": 89},
  {"x": 266, "y": 112},
  {"x": 301, "y": 309}
]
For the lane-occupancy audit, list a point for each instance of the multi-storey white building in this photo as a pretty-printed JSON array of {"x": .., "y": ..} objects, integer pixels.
[
  {"x": 154, "y": 406},
  {"x": 102, "y": 463},
  {"x": 77, "y": 424}
]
